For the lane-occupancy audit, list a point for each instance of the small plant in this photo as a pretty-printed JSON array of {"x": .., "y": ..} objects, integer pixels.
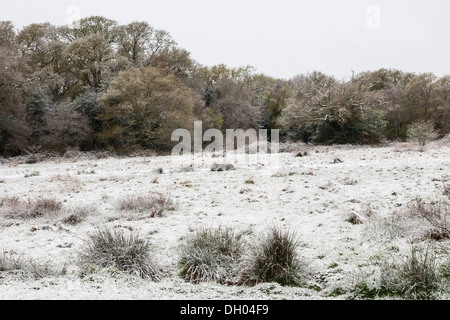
[
  {"x": 152, "y": 206},
  {"x": 116, "y": 248},
  {"x": 211, "y": 254},
  {"x": 274, "y": 259}
]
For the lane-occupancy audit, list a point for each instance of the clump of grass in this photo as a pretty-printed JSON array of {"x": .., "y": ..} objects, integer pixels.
[
  {"x": 32, "y": 174},
  {"x": 274, "y": 259},
  {"x": 13, "y": 207},
  {"x": 417, "y": 276},
  {"x": 218, "y": 167},
  {"x": 153, "y": 206},
  {"x": 126, "y": 251},
  {"x": 79, "y": 215},
  {"x": 18, "y": 266},
  {"x": 46, "y": 206},
  {"x": 211, "y": 254},
  {"x": 444, "y": 269},
  {"x": 365, "y": 214},
  {"x": 354, "y": 218},
  {"x": 396, "y": 225}
]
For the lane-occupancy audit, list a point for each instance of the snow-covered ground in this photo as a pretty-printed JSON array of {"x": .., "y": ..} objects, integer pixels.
[{"x": 313, "y": 194}]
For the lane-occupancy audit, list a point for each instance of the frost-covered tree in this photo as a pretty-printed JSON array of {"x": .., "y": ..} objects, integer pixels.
[{"x": 422, "y": 131}]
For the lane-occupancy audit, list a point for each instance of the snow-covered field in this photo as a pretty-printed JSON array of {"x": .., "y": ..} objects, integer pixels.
[{"x": 314, "y": 195}]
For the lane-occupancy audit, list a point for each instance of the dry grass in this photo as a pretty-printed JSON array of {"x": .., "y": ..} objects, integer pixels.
[
  {"x": 17, "y": 266},
  {"x": 14, "y": 208},
  {"x": 69, "y": 183},
  {"x": 435, "y": 214},
  {"x": 78, "y": 215},
  {"x": 150, "y": 206}
]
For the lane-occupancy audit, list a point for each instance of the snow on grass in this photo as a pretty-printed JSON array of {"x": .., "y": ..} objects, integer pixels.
[{"x": 314, "y": 195}]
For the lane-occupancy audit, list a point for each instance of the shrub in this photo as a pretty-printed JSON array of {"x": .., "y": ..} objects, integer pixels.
[
  {"x": 114, "y": 248},
  {"x": 422, "y": 131},
  {"x": 211, "y": 254},
  {"x": 274, "y": 259},
  {"x": 152, "y": 205}
]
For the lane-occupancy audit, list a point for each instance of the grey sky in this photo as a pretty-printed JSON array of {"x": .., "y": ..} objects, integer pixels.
[{"x": 281, "y": 38}]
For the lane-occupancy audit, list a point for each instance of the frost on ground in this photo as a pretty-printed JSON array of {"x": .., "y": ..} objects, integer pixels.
[{"x": 318, "y": 194}]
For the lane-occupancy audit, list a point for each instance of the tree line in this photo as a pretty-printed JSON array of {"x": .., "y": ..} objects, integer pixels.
[{"x": 100, "y": 85}]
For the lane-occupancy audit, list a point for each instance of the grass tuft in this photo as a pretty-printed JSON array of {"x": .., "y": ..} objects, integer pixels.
[
  {"x": 153, "y": 206},
  {"x": 211, "y": 254},
  {"x": 275, "y": 259},
  {"x": 106, "y": 247}
]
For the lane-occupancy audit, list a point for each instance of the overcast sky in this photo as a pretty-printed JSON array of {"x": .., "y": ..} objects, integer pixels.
[{"x": 280, "y": 38}]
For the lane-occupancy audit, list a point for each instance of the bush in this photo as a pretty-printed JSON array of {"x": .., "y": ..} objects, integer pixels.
[
  {"x": 114, "y": 248},
  {"x": 422, "y": 131},
  {"x": 211, "y": 254},
  {"x": 274, "y": 259}
]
